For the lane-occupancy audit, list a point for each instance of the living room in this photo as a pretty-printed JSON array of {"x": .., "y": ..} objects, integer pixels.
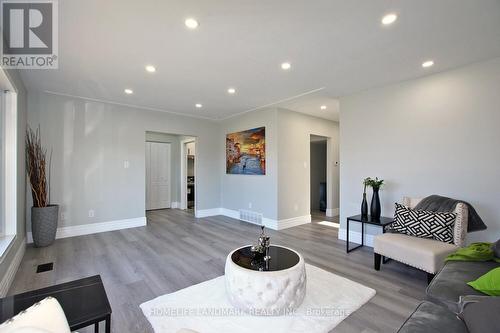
[{"x": 403, "y": 95}]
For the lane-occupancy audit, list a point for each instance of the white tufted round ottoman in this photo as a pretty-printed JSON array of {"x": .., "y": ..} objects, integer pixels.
[{"x": 264, "y": 288}]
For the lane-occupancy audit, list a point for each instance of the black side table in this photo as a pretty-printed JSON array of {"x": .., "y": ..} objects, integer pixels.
[
  {"x": 382, "y": 222},
  {"x": 84, "y": 302}
]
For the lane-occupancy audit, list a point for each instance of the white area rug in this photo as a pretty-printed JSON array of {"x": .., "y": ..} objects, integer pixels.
[{"x": 204, "y": 307}]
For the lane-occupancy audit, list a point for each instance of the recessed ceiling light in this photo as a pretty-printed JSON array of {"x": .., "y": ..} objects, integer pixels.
[
  {"x": 231, "y": 91},
  {"x": 286, "y": 66},
  {"x": 150, "y": 68},
  {"x": 428, "y": 63},
  {"x": 323, "y": 107},
  {"x": 198, "y": 106},
  {"x": 191, "y": 23},
  {"x": 389, "y": 19},
  {"x": 128, "y": 91}
]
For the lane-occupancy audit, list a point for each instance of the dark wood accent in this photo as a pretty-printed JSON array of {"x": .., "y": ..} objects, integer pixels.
[
  {"x": 382, "y": 222},
  {"x": 377, "y": 259},
  {"x": 84, "y": 302}
]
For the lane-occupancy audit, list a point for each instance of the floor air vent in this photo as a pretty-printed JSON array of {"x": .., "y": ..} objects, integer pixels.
[
  {"x": 45, "y": 267},
  {"x": 252, "y": 217}
]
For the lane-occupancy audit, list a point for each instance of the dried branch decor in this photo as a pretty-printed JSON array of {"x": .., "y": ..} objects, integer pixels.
[{"x": 36, "y": 168}]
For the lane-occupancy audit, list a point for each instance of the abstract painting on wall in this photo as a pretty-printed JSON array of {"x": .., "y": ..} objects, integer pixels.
[{"x": 246, "y": 152}]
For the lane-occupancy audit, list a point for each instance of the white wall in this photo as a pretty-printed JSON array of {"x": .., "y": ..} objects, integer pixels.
[
  {"x": 91, "y": 141},
  {"x": 238, "y": 191},
  {"x": 434, "y": 135},
  {"x": 283, "y": 194},
  {"x": 295, "y": 131}
]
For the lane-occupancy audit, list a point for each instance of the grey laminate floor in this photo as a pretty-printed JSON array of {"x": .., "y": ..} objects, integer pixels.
[
  {"x": 318, "y": 216},
  {"x": 175, "y": 250}
]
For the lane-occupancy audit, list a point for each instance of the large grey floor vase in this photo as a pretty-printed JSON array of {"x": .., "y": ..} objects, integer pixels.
[{"x": 44, "y": 224}]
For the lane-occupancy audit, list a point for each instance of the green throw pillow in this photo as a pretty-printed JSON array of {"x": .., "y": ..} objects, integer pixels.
[{"x": 489, "y": 283}]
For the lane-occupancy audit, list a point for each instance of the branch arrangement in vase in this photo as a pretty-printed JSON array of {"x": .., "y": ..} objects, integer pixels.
[
  {"x": 44, "y": 216},
  {"x": 36, "y": 166}
]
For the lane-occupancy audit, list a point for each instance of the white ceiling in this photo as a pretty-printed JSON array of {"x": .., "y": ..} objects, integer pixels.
[
  {"x": 311, "y": 104},
  {"x": 335, "y": 47}
]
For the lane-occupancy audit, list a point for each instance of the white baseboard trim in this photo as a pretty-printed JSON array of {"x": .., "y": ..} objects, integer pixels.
[
  {"x": 10, "y": 274},
  {"x": 200, "y": 213},
  {"x": 175, "y": 204},
  {"x": 293, "y": 222},
  {"x": 94, "y": 228},
  {"x": 269, "y": 223},
  {"x": 331, "y": 212},
  {"x": 355, "y": 237},
  {"x": 234, "y": 214},
  {"x": 230, "y": 213}
]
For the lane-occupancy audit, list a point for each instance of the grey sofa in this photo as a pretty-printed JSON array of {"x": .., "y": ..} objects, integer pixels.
[
  {"x": 447, "y": 287},
  {"x": 438, "y": 313},
  {"x": 433, "y": 318}
]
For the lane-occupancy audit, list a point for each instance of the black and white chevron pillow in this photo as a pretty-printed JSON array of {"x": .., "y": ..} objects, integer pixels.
[
  {"x": 403, "y": 216},
  {"x": 424, "y": 224},
  {"x": 437, "y": 225}
]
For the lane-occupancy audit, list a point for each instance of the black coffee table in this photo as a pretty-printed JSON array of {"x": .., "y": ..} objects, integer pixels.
[
  {"x": 281, "y": 258},
  {"x": 84, "y": 302}
]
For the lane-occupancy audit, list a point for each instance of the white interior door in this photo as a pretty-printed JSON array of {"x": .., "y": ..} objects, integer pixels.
[{"x": 158, "y": 185}]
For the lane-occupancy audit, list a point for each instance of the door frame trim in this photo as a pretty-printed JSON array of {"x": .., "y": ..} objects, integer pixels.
[
  {"x": 330, "y": 211},
  {"x": 183, "y": 201}
]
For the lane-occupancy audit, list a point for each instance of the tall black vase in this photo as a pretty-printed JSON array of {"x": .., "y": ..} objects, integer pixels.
[
  {"x": 364, "y": 206},
  {"x": 375, "y": 205}
]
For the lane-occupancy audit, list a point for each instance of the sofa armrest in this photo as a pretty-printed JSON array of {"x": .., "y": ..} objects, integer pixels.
[
  {"x": 463, "y": 301},
  {"x": 432, "y": 318}
]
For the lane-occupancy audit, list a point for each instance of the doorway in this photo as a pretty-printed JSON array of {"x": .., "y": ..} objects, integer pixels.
[
  {"x": 188, "y": 174},
  {"x": 158, "y": 179},
  {"x": 318, "y": 168},
  {"x": 324, "y": 185},
  {"x": 168, "y": 157},
  {"x": 171, "y": 181}
]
